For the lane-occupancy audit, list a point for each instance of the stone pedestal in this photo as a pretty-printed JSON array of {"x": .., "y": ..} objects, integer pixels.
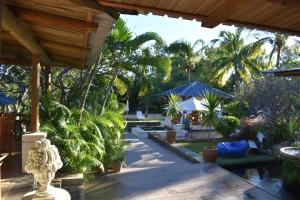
[
  {"x": 57, "y": 194},
  {"x": 28, "y": 141}
]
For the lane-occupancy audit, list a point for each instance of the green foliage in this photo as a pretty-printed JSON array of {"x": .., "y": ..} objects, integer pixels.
[
  {"x": 173, "y": 110},
  {"x": 236, "y": 108},
  {"x": 234, "y": 59},
  {"x": 289, "y": 172},
  {"x": 296, "y": 144},
  {"x": 82, "y": 144},
  {"x": 227, "y": 128},
  {"x": 210, "y": 115}
]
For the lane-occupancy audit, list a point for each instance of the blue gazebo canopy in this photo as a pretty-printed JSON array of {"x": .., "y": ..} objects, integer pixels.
[
  {"x": 194, "y": 89},
  {"x": 5, "y": 100}
]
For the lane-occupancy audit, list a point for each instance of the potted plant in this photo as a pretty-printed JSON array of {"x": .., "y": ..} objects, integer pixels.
[
  {"x": 172, "y": 113},
  {"x": 210, "y": 118},
  {"x": 118, "y": 156}
]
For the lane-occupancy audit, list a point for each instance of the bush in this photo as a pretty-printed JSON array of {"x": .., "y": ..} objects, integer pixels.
[
  {"x": 290, "y": 173},
  {"x": 236, "y": 108},
  {"x": 227, "y": 128}
]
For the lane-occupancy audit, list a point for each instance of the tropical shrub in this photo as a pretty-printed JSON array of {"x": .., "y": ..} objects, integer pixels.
[
  {"x": 227, "y": 128},
  {"x": 236, "y": 108},
  {"x": 290, "y": 173},
  {"x": 173, "y": 110},
  {"x": 210, "y": 113},
  {"x": 81, "y": 143}
]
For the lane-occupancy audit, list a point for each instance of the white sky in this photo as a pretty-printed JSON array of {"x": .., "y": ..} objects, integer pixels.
[{"x": 171, "y": 29}]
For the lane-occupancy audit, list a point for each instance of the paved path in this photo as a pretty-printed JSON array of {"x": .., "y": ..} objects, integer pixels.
[{"x": 155, "y": 173}]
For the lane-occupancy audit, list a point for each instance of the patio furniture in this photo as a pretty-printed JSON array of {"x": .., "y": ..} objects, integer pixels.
[
  {"x": 139, "y": 115},
  {"x": 233, "y": 149}
]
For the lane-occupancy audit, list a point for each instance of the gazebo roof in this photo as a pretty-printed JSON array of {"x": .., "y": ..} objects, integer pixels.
[
  {"x": 271, "y": 15},
  {"x": 284, "y": 72},
  {"x": 194, "y": 89},
  {"x": 66, "y": 33}
]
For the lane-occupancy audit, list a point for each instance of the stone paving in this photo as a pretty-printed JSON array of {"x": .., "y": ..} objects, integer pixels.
[{"x": 155, "y": 173}]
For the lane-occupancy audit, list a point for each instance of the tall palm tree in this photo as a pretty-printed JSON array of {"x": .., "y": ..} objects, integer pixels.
[
  {"x": 122, "y": 54},
  {"x": 235, "y": 59},
  {"x": 278, "y": 42},
  {"x": 185, "y": 54}
]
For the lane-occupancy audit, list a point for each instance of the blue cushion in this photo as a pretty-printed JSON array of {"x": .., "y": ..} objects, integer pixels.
[{"x": 233, "y": 149}]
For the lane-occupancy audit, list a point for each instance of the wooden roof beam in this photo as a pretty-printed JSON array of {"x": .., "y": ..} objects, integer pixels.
[
  {"x": 54, "y": 20},
  {"x": 223, "y": 12},
  {"x": 291, "y": 3},
  {"x": 157, "y": 11},
  {"x": 93, "y": 4},
  {"x": 16, "y": 29},
  {"x": 15, "y": 61}
]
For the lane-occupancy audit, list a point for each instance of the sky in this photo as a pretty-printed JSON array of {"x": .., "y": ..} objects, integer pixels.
[{"x": 171, "y": 29}]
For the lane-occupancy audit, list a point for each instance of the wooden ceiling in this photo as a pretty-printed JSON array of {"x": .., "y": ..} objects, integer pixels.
[
  {"x": 270, "y": 15},
  {"x": 69, "y": 33},
  {"x": 66, "y": 33}
]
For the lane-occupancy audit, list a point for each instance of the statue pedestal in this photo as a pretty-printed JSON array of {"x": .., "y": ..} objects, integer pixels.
[{"x": 55, "y": 194}]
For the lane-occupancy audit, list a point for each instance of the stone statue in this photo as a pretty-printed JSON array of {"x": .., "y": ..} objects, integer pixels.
[{"x": 43, "y": 162}]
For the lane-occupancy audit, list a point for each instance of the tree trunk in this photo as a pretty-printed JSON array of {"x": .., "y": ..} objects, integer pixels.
[
  {"x": 278, "y": 57},
  {"x": 89, "y": 83},
  {"x": 236, "y": 75},
  {"x": 108, "y": 89},
  {"x": 189, "y": 74},
  {"x": 146, "y": 109}
]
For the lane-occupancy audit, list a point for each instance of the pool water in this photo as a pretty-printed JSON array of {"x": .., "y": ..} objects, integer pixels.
[
  {"x": 153, "y": 128},
  {"x": 267, "y": 178}
]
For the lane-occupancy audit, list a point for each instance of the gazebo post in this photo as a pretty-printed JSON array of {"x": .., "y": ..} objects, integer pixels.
[
  {"x": 35, "y": 93},
  {"x": 1, "y": 6},
  {"x": 48, "y": 78}
]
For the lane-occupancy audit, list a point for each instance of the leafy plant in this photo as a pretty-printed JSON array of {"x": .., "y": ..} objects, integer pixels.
[
  {"x": 173, "y": 110},
  {"x": 289, "y": 172},
  {"x": 236, "y": 108},
  {"x": 82, "y": 144},
  {"x": 211, "y": 114},
  {"x": 227, "y": 128}
]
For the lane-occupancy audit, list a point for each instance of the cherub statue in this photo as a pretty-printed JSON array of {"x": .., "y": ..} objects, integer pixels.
[{"x": 43, "y": 162}]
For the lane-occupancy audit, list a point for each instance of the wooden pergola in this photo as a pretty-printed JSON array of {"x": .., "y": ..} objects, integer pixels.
[
  {"x": 69, "y": 33},
  {"x": 285, "y": 72},
  {"x": 271, "y": 15},
  {"x": 65, "y": 33}
]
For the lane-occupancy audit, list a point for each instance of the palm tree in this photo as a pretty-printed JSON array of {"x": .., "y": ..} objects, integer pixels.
[
  {"x": 173, "y": 109},
  {"x": 122, "y": 53},
  {"x": 185, "y": 54},
  {"x": 278, "y": 43},
  {"x": 235, "y": 59},
  {"x": 210, "y": 114}
]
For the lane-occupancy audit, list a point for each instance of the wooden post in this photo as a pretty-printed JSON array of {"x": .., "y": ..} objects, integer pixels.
[
  {"x": 1, "y": 6},
  {"x": 47, "y": 79},
  {"x": 35, "y": 93}
]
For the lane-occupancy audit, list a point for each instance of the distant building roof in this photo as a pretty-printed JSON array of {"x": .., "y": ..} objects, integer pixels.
[
  {"x": 194, "y": 89},
  {"x": 284, "y": 72},
  {"x": 5, "y": 100}
]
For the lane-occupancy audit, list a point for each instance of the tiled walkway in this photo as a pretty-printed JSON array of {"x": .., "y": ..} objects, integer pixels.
[{"x": 155, "y": 173}]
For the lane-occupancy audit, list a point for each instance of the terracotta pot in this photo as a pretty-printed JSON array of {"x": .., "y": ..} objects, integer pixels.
[
  {"x": 117, "y": 166},
  {"x": 171, "y": 136},
  {"x": 210, "y": 155}
]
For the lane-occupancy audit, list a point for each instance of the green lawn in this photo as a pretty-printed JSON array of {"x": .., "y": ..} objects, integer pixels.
[
  {"x": 197, "y": 146},
  {"x": 249, "y": 159}
]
